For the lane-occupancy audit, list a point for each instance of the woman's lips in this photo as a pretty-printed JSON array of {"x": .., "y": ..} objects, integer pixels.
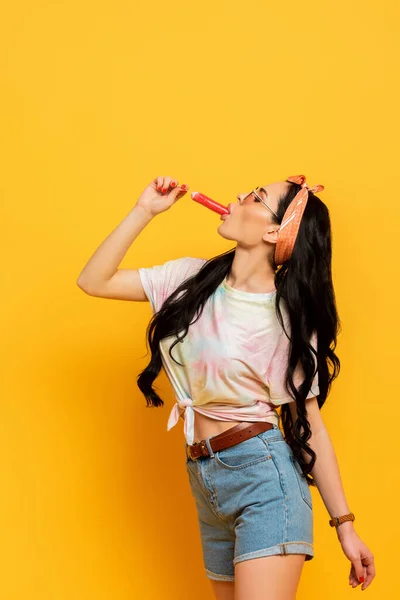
[{"x": 224, "y": 216}]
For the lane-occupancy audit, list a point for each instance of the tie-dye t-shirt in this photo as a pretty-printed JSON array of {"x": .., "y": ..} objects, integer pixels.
[{"x": 235, "y": 355}]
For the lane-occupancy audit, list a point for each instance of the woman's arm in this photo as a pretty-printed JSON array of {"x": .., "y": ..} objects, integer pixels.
[
  {"x": 326, "y": 469},
  {"x": 327, "y": 478},
  {"x": 101, "y": 275}
]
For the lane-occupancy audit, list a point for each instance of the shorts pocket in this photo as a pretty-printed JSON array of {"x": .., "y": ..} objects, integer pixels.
[
  {"x": 301, "y": 480},
  {"x": 245, "y": 454}
]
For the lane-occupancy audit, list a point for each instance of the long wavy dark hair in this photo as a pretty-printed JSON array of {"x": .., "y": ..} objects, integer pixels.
[{"x": 304, "y": 283}]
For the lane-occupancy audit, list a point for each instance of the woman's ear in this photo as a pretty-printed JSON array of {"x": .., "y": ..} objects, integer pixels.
[{"x": 271, "y": 233}]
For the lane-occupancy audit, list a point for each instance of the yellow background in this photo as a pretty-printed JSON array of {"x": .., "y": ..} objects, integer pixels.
[{"x": 98, "y": 98}]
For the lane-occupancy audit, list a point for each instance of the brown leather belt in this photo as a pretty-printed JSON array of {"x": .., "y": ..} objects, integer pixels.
[{"x": 230, "y": 437}]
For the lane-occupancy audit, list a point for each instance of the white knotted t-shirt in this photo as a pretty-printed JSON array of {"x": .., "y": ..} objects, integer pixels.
[{"x": 235, "y": 355}]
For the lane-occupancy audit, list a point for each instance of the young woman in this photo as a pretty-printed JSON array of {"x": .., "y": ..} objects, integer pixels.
[{"x": 247, "y": 340}]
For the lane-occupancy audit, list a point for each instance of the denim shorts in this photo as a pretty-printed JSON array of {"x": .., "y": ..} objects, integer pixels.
[{"x": 252, "y": 500}]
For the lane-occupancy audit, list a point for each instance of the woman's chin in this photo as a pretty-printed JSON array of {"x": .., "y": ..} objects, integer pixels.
[{"x": 222, "y": 233}]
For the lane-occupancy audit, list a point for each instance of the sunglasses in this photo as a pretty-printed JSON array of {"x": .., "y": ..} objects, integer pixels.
[{"x": 254, "y": 195}]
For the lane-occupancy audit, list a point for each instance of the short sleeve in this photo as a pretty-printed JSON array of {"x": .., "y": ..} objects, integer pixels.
[
  {"x": 277, "y": 372},
  {"x": 160, "y": 281}
]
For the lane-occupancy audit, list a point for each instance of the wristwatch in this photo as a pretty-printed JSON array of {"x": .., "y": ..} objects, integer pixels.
[{"x": 335, "y": 521}]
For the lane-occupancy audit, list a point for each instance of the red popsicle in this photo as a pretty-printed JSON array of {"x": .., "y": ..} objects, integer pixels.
[{"x": 209, "y": 203}]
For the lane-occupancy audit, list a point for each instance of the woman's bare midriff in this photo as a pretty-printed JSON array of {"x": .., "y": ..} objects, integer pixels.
[{"x": 204, "y": 426}]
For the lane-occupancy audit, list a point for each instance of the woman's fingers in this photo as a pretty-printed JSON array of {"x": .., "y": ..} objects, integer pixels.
[
  {"x": 167, "y": 183},
  {"x": 159, "y": 183}
]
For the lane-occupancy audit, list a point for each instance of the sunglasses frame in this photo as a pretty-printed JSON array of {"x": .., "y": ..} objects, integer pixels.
[{"x": 260, "y": 199}]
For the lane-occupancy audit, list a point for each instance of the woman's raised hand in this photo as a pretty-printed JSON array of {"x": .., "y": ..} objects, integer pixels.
[{"x": 161, "y": 194}]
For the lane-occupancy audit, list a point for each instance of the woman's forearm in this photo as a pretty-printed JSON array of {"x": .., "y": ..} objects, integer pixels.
[
  {"x": 104, "y": 262},
  {"x": 327, "y": 478}
]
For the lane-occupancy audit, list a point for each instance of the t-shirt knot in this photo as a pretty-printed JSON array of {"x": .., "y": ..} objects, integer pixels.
[
  {"x": 185, "y": 402},
  {"x": 188, "y": 411}
]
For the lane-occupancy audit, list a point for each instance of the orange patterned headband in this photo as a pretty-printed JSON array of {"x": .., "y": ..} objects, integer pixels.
[{"x": 292, "y": 218}]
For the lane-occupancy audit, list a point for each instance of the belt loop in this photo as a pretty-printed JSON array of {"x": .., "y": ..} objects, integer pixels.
[{"x": 207, "y": 441}]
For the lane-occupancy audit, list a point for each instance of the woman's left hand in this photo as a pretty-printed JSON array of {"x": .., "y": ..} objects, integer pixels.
[{"x": 361, "y": 558}]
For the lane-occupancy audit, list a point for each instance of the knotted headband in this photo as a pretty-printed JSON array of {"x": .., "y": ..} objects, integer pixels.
[{"x": 292, "y": 218}]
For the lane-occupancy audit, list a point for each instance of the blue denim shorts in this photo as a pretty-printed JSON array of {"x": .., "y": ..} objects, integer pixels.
[{"x": 252, "y": 500}]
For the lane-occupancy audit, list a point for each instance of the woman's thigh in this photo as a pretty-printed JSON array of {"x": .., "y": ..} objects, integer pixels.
[
  {"x": 268, "y": 578},
  {"x": 223, "y": 590}
]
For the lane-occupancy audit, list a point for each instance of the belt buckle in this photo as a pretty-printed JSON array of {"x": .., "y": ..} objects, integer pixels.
[
  {"x": 204, "y": 450},
  {"x": 189, "y": 454}
]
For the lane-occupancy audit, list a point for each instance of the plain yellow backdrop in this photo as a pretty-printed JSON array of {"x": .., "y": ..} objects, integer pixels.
[{"x": 98, "y": 98}]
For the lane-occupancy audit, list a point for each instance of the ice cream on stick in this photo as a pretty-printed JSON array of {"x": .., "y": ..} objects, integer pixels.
[{"x": 209, "y": 203}]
